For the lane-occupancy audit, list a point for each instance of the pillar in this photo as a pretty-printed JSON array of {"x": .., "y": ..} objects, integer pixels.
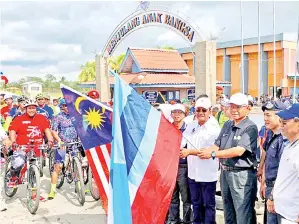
[
  {"x": 227, "y": 72},
  {"x": 246, "y": 70},
  {"x": 205, "y": 69},
  {"x": 264, "y": 71},
  {"x": 102, "y": 78}
]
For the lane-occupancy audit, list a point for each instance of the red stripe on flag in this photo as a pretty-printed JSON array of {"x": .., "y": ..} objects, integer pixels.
[
  {"x": 103, "y": 194},
  {"x": 155, "y": 191},
  {"x": 103, "y": 161},
  {"x": 108, "y": 146}
]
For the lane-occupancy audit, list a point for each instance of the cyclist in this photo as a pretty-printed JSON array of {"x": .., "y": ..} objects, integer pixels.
[
  {"x": 63, "y": 131},
  {"x": 9, "y": 104},
  {"x": 15, "y": 111},
  {"x": 28, "y": 128},
  {"x": 94, "y": 94},
  {"x": 46, "y": 110}
]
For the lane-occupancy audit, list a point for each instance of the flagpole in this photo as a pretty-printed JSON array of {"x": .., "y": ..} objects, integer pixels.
[
  {"x": 242, "y": 49},
  {"x": 259, "y": 53},
  {"x": 274, "y": 50},
  {"x": 296, "y": 65}
]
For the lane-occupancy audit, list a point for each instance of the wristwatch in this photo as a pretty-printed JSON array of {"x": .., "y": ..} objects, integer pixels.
[
  {"x": 271, "y": 197},
  {"x": 213, "y": 154}
]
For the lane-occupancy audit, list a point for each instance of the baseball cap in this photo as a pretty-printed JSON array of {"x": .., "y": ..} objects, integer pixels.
[
  {"x": 178, "y": 106},
  {"x": 224, "y": 102},
  {"x": 290, "y": 112},
  {"x": 250, "y": 98},
  {"x": 274, "y": 105},
  {"x": 239, "y": 99},
  {"x": 204, "y": 103},
  {"x": 7, "y": 96}
]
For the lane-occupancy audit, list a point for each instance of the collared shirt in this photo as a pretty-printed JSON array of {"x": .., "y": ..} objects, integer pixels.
[
  {"x": 273, "y": 146},
  {"x": 286, "y": 188},
  {"x": 62, "y": 123},
  {"x": 48, "y": 110},
  {"x": 243, "y": 135},
  {"x": 201, "y": 170}
]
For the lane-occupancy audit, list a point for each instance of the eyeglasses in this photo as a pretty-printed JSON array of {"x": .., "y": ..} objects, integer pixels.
[
  {"x": 177, "y": 112},
  {"x": 201, "y": 110},
  {"x": 40, "y": 99}
]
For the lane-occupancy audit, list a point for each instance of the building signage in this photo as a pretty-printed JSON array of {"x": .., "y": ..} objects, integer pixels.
[
  {"x": 151, "y": 96},
  {"x": 150, "y": 18},
  {"x": 191, "y": 94}
]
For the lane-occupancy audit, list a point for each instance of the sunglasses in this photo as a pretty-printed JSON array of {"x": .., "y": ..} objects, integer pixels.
[
  {"x": 40, "y": 99},
  {"x": 201, "y": 110}
]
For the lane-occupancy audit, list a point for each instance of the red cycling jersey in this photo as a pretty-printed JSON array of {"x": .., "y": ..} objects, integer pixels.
[{"x": 29, "y": 128}]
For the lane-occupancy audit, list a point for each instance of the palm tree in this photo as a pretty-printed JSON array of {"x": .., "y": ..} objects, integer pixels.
[
  {"x": 115, "y": 62},
  {"x": 88, "y": 72}
]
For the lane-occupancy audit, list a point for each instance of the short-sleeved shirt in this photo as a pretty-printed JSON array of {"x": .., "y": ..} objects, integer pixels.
[
  {"x": 29, "y": 128},
  {"x": 243, "y": 135},
  {"x": 62, "y": 123},
  {"x": 5, "y": 111},
  {"x": 15, "y": 111},
  {"x": 286, "y": 188},
  {"x": 49, "y": 110},
  {"x": 202, "y": 136},
  {"x": 273, "y": 145}
]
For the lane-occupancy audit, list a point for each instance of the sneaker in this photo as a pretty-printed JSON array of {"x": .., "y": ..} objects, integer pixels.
[
  {"x": 51, "y": 195},
  {"x": 13, "y": 182},
  {"x": 41, "y": 198},
  {"x": 2, "y": 206}
]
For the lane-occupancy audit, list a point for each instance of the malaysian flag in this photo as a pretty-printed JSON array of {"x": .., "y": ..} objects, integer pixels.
[{"x": 92, "y": 121}]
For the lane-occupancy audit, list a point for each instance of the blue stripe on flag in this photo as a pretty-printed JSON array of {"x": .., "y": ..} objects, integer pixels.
[
  {"x": 133, "y": 134},
  {"x": 146, "y": 148},
  {"x": 118, "y": 171}
]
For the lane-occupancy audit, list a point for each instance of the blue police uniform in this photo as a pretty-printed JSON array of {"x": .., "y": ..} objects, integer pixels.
[
  {"x": 273, "y": 145},
  {"x": 181, "y": 187}
]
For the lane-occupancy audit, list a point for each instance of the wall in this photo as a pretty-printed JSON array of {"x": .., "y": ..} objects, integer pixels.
[
  {"x": 219, "y": 68},
  {"x": 235, "y": 61}
]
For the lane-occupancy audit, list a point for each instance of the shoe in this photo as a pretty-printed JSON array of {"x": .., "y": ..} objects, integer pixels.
[
  {"x": 51, "y": 195},
  {"x": 13, "y": 182},
  {"x": 41, "y": 198},
  {"x": 2, "y": 206}
]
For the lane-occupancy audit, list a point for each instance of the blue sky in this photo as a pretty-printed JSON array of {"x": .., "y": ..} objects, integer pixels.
[{"x": 38, "y": 38}]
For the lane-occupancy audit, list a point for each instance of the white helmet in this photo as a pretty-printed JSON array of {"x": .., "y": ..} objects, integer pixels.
[{"x": 30, "y": 102}]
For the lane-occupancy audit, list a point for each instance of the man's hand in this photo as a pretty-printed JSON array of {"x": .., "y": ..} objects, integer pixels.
[
  {"x": 184, "y": 153},
  {"x": 262, "y": 190},
  {"x": 205, "y": 154},
  {"x": 260, "y": 173},
  {"x": 270, "y": 206}
]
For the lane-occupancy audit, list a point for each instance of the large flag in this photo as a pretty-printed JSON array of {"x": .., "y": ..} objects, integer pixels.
[
  {"x": 92, "y": 121},
  {"x": 144, "y": 160}
]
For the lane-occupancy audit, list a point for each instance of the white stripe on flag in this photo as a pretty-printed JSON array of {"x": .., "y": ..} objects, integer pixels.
[
  {"x": 106, "y": 156},
  {"x": 99, "y": 168}
]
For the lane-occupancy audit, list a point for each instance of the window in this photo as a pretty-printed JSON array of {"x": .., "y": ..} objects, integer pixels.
[
  {"x": 173, "y": 95},
  {"x": 35, "y": 89},
  {"x": 191, "y": 94}
]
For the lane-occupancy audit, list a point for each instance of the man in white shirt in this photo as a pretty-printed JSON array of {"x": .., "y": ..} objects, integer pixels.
[
  {"x": 5, "y": 141},
  {"x": 285, "y": 199},
  {"x": 202, "y": 174}
]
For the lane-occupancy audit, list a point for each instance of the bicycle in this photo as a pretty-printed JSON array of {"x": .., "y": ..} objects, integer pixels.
[
  {"x": 71, "y": 169},
  {"x": 32, "y": 169}
]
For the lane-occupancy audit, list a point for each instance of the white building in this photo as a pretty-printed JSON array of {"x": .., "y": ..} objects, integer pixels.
[{"x": 31, "y": 89}]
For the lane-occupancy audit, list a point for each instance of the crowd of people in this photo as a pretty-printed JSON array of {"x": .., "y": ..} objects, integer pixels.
[
  {"x": 226, "y": 141},
  {"x": 217, "y": 139},
  {"x": 36, "y": 122}
]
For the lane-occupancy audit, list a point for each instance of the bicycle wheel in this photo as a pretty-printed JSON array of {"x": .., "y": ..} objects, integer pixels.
[
  {"x": 33, "y": 189},
  {"x": 93, "y": 188},
  {"x": 41, "y": 167},
  {"x": 9, "y": 192},
  {"x": 78, "y": 178},
  {"x": 51, "y": 161},
  {"x": 85, "y": 174},
  {"x": 60, "y": 180}
]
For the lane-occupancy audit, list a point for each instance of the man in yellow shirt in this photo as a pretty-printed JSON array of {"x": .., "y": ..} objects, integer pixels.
[{"x": 223, "y": 115}]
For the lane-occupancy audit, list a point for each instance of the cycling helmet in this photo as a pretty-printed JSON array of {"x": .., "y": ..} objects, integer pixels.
[
  {"x": 40, "y": 95},
  {"x": 21, "y": 98},
  {"x": 29, "y": 102},
  {"x": 61, "y": 102},
  {"x": 93, "y": 94}
]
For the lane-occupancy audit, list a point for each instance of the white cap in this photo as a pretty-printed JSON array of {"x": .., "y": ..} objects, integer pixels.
[
  {"x": 178, "y": 106},
  {"x": 224, "y": 102},
  {"x": 204, "y": 103},
  {"x": 239, "y": 99},
  {"x": 7, "y": 96}
]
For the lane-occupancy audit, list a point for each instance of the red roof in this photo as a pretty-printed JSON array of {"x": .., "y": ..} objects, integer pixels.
[{"x": 158, "y": 60}]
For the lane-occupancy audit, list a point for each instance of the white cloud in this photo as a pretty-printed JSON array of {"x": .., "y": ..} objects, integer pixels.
[{"x": 7, "y": 53}]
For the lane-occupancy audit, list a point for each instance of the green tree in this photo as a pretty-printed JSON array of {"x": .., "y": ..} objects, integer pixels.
[
  {"x": 88, "y": 72},
  {"x": 50, "y": 78},
  {"x": 115, "y": 62}
]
